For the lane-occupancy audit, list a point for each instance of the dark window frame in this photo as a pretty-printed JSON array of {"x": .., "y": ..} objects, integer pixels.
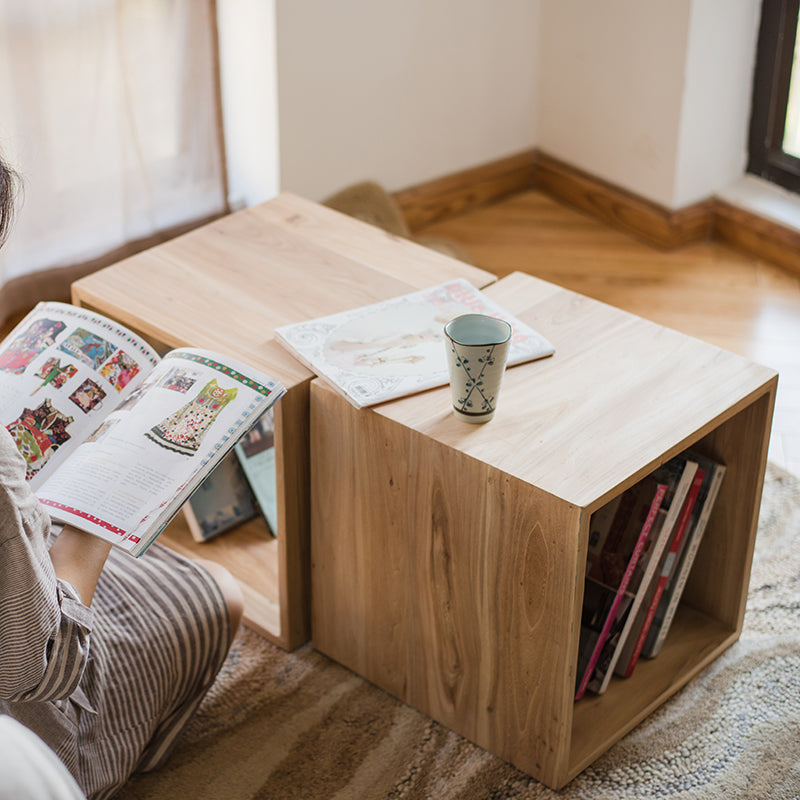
[{"x": 773, "y": 70}]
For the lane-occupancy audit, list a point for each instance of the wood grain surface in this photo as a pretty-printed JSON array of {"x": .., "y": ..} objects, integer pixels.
[
  {"x": 448, "y": 558},
  {"x": 710, "y": 290},
  {"x": 226, "y": 286}
]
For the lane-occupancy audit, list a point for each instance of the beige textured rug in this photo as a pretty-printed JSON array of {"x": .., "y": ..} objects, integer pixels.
[{"x": 287, "y": 726}]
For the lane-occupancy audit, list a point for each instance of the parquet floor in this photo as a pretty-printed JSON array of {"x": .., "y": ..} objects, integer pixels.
[{"x": 706, "y": 290}]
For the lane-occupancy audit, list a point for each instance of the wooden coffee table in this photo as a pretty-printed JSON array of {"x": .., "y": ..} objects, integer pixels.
[
  {"x": 226, "y": 287},
  {"x": 448, "y": 559}
]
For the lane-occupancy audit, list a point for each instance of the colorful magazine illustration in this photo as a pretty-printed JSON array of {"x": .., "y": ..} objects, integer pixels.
[
  {"x": 116, "y": 438},
  {"x": 396, "y": 347}
]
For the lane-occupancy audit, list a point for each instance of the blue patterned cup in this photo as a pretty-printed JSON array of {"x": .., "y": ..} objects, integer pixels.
[{"x": 477, "y": 349}]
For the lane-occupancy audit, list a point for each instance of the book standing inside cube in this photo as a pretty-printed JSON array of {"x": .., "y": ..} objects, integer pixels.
[
  {"x": 606, "y": 596},
  {"x": 685, "y": 556},
  {"x": 677, "y": 474},
  {"x": 632, "y": 647},
  {"x": 619, "y": 613}
]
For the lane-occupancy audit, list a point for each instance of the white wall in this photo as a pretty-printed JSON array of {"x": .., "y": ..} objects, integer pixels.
[
  {"x": 610, "y": 92},
  {"x": 715, "y": 115},
  {"x": 651, "y": 95},
  {"x": 402, "y": 91},
  {"x": 246, "y": 30}
]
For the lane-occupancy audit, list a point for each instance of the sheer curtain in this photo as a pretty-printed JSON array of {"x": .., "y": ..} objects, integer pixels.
[{"x": 109, "y": 111}]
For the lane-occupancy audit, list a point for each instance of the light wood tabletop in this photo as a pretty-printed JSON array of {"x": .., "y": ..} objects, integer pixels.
[
  {"x": 449, "y": 558},
  {"x": 225, "y": 287}
]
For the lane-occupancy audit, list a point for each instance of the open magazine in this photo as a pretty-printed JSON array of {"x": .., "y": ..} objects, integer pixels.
[
  {"x": 116, "y": 438},
  {"x": 396, "y": 347}
]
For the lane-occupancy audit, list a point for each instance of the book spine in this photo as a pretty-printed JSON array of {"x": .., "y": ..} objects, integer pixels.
[
  {"x": 684, "y": 568},
  {"x": 680, "y": 488},
  {"x": 626, "y": 578},
  {"x": 666, "y": 569}
]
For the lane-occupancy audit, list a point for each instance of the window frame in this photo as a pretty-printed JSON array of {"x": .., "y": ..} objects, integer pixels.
[{"x": 771, "y": 78}]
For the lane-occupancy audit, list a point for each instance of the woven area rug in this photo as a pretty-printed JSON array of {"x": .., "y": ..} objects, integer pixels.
[{"x": 278, "y": 725}]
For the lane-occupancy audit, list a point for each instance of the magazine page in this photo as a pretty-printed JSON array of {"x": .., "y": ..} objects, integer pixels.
[
  {"x": 63, "y": 369},
  {"x": 396, "y": 347},
  {"x": 136, "y": 470}
]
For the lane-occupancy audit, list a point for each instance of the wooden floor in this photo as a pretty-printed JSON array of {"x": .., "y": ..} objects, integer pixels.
[{"x": 706, "y": 290}]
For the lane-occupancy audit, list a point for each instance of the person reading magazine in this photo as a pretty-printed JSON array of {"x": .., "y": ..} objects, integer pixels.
[{"x": 103, "y": 655}]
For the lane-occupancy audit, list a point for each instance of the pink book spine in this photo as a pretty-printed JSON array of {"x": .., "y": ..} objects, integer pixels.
[
  {"x": 618, "y": 597},
  {"x": 683, "y": 524}
]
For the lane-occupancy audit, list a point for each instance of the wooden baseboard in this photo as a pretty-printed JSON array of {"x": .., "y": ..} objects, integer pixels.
[
  {"x": 464, "y": 191},
  {"x": 460, "y": 192},
  {"x": 621, "y": 209},
  {"x": 757, "y": 236}
]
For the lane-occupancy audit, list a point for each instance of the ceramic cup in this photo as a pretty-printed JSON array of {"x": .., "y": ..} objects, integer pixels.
[{"x": 477, "y": 349}]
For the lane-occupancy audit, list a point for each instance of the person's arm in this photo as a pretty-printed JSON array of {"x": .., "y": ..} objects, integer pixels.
[
  {"x": 78, "y": 558},
  {"x": 45, "y": 626}
]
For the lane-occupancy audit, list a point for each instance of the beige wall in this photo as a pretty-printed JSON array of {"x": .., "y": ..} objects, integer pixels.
[
  {"x": 401, "y": 91},
  {"x": 614, "y": 107},
  {"x": 651, "y": 95},
  {"x": 249, "y": 85},
  {"x": 712, "y": 144}
]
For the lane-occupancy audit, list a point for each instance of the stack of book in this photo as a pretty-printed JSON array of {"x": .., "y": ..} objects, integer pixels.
[{"x": 641, "y": 548}]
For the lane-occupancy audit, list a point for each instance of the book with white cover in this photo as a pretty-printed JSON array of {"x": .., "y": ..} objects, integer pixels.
[{"x": 396, "y": 347}]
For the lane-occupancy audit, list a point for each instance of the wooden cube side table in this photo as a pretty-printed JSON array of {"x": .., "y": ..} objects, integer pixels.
[
  {"x": 226, "y": 286},
  {"x": 448, "y": 559}
]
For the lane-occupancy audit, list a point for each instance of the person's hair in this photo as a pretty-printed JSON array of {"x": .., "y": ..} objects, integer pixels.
[{"x": 8, "y": 194}]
